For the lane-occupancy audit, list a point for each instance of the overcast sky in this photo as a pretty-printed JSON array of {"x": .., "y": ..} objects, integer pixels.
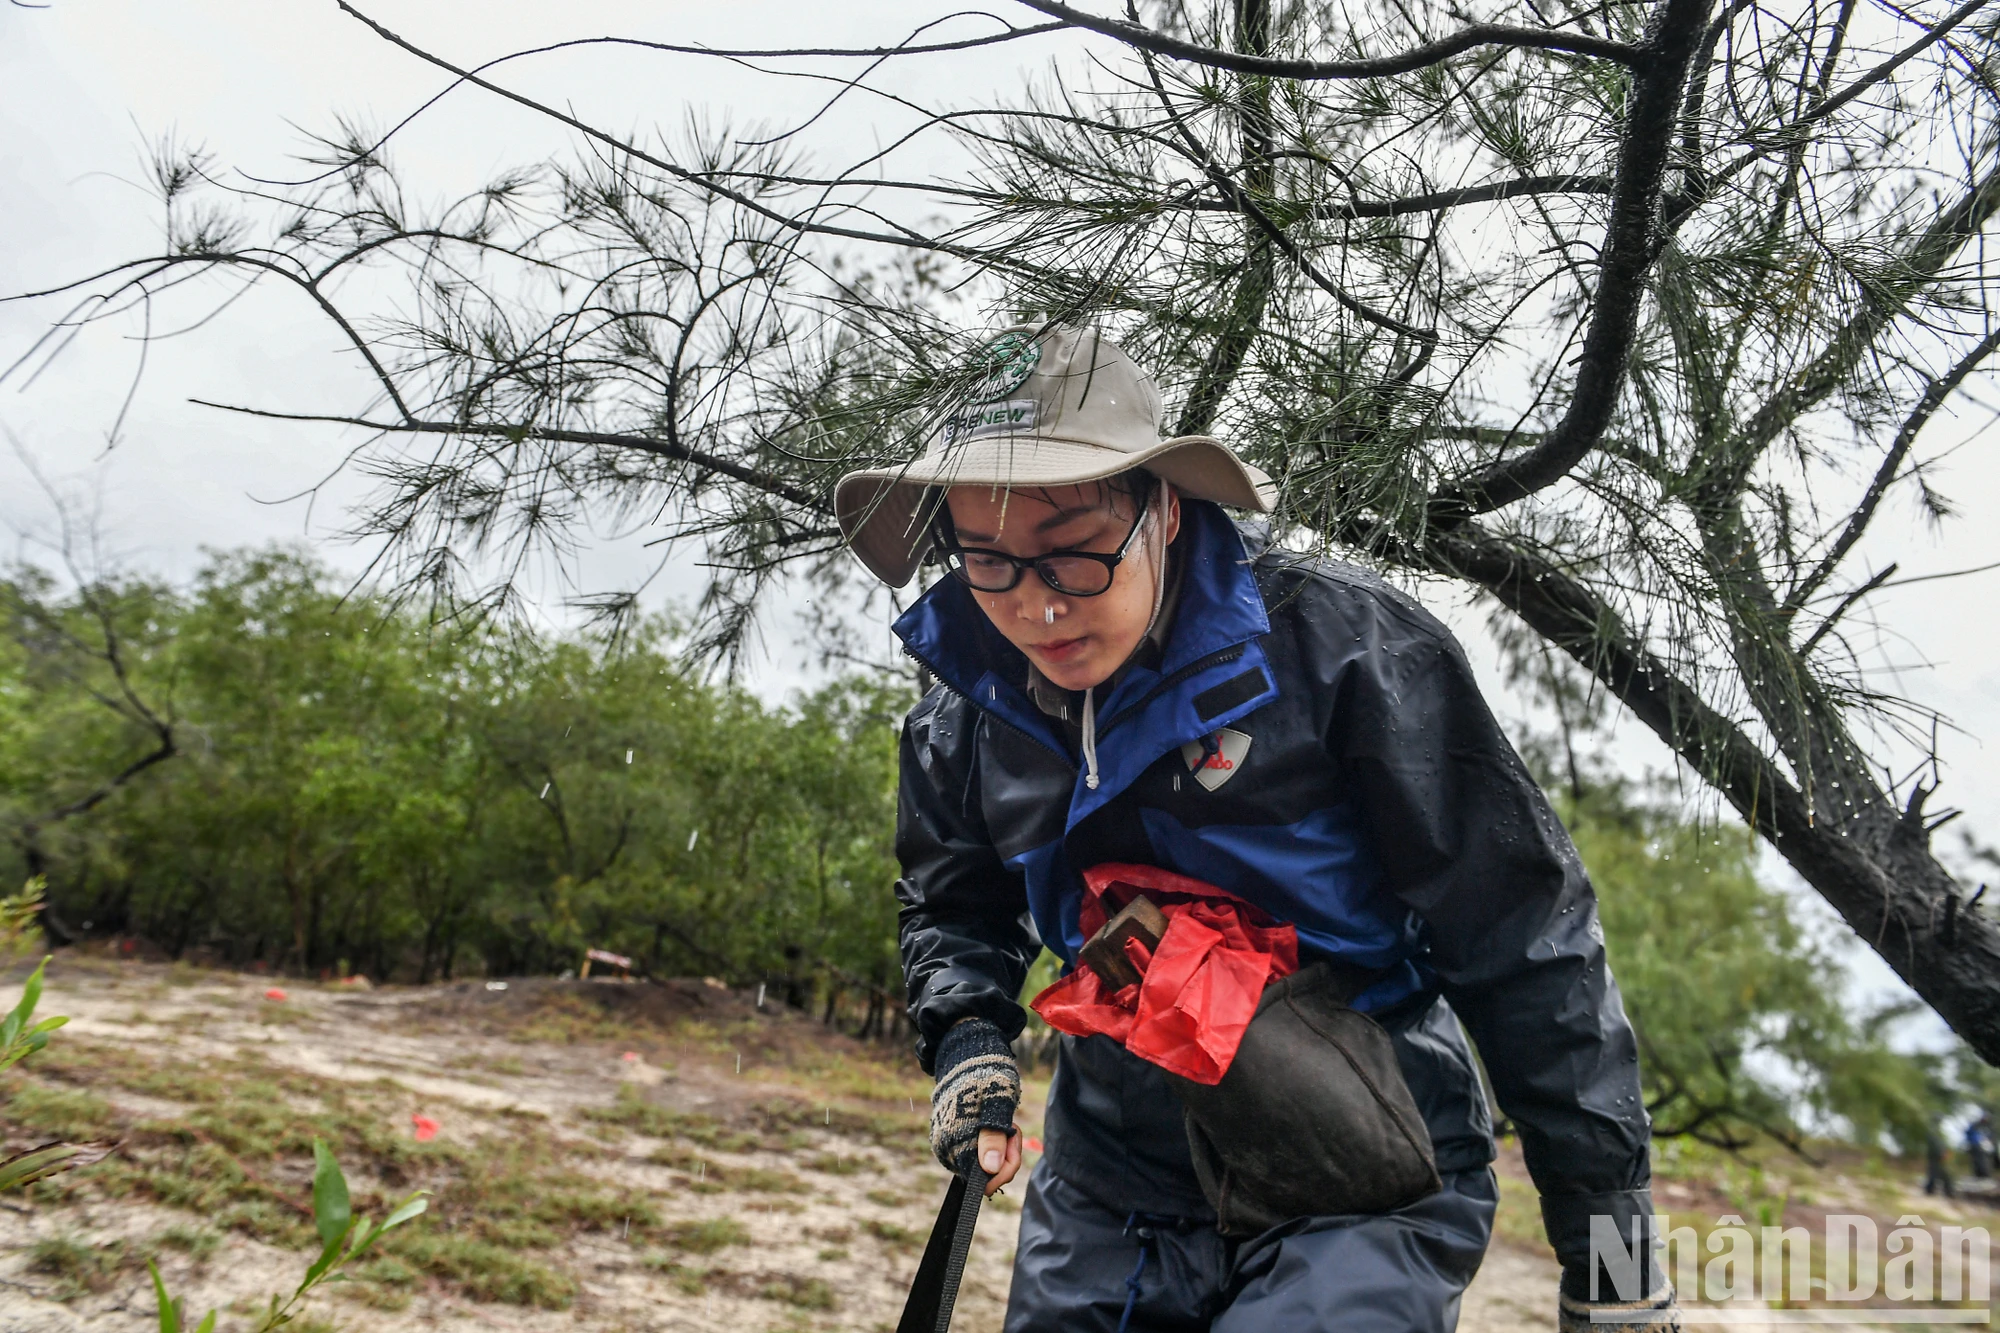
[{"x": 85, "y": 84}]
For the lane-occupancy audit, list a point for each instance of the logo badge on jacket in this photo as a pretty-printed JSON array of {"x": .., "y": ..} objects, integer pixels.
[{"x": 1215, "y": 759}]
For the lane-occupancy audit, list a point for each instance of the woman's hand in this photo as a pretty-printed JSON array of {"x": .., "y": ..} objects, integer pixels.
[
  {"x": 999, "y": 1157},
  {"x": 972, "y": 1107}
]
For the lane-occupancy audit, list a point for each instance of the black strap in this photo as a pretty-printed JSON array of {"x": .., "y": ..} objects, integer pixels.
[
  {"x": 942, "y": 1268},
  {"x": 1346, "y": 980}
]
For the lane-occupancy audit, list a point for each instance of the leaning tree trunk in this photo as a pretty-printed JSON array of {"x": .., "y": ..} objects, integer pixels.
[{"x": 1871, "y": 860}]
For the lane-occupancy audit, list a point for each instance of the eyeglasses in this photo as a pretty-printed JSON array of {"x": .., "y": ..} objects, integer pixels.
[{"x": 1072, "y": 573}]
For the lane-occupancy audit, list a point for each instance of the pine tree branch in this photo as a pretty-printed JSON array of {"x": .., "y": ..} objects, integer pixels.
[
  {"x": 1651, "y": 120},
  {"x": 1880, "y": 308},
  {"x": 909, "y": 240},
  {"x": 1934, "y": 397},
  {"x": 1825, "y": 626},
  {"x": 650, "y": 444},
  {"x": 1465, "y": 39}
]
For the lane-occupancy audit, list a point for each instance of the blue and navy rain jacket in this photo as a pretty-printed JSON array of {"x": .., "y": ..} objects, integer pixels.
[{"x": 1377, "y": 807}]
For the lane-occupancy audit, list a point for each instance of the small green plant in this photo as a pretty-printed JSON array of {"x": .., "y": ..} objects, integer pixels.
[
  {"x": 21, "y": 1037},
  {"x": 18, "y": 1040},
  {"x": 17, "y": 918},
  {"x": 344, "y": 1239}
]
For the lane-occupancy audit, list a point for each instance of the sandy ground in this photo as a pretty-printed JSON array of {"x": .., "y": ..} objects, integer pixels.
[{"x": 444, "y": 1052}]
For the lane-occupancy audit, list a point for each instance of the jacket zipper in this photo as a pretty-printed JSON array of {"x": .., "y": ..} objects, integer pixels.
[
  {"x": 1195, "y": 667},
  {"x": 1020, "y": 731}
]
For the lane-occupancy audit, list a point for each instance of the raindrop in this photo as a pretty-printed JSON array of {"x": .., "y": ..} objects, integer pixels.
[
  {"x": 545, "y": 791},
  {"x": 691, "y": 837}
]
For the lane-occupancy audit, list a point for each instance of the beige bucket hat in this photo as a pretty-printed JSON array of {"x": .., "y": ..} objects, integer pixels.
[{"x": 1052, "y": 407}]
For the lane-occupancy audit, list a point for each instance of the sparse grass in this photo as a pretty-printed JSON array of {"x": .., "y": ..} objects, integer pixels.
[
  {"x": 846, "y": 1078},
  {"x": 707, "y": 1235},
  {"x": 384, "y": 1284},
  {"x": 516, "y": 1177},
  {"x": 282, "y": 1013},
  {"x": 510, "y": 1191},
  {"x": 567, "y": 1019},
  {"x": 64, "y": 1113},
  {"x": 237, "y": 1157},
  {"x": 679, "y": 1158},
  {"x": 198, "y": 1243},
  {"x": 632, "y": 1111},
  {"x": 807, "y": 1293},
  {"x": 833, "y": 1164},
  {"x": 1519, "y": 1216},
  {"x": 762, "y": 1180},
  {"x": 79, "y": 1266},
  {"x": 708, "y": 1177},
  {"x": 687, "y": 1281},
  {"x": 900, "y": 1132},
  {"x": 885, "y": 1199},
  {"x": 891, "y": 1234},
  {"x": 483, "y": 1271}
]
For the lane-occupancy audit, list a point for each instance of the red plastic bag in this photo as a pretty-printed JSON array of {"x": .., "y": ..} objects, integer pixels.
[{"x": 1197, "y": 991}]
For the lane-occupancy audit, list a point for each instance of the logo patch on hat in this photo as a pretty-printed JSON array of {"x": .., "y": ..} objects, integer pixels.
[
  {"x": 1007, "y": 362},
  {"x": 1216, "y": 761},
  {"x": 1016, "y": 416}
]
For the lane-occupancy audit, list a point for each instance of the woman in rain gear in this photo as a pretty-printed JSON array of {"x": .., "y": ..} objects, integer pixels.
[{"x": 1124, "y": 676}]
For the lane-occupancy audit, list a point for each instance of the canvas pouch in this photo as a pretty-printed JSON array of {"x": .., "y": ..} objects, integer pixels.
[{"x": 1313, "y": 1117}]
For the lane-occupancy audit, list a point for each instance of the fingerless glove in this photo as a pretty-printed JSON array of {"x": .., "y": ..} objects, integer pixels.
[{"x": 978, "y": 1087}]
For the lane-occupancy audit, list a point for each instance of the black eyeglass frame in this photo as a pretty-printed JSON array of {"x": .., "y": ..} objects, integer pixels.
[{"x": 948, "y": 547}]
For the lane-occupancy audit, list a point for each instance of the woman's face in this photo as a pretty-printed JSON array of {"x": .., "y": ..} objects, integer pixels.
[{"x": 1088, "y": 638}]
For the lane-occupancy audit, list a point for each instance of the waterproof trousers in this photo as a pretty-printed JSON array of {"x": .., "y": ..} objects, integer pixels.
[{"x": 1081, "y": 1266}]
